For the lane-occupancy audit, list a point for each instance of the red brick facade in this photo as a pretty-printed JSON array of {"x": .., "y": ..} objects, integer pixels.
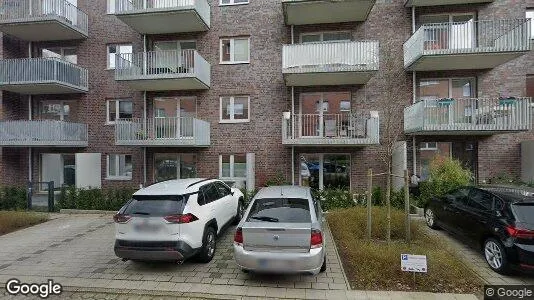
[{"x": 262, "y": 79}]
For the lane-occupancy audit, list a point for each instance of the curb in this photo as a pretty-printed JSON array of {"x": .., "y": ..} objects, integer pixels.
[
  {"x": 86, "y": 212},
  {"x": 349, "y": 288}
]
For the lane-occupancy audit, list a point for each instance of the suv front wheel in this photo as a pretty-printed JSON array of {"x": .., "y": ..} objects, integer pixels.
[{"x": 208, "y": 246}]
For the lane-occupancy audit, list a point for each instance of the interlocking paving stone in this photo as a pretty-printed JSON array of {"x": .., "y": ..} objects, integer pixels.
[
  {"x": 23, "y": 258},
  {"x": 39, "y": 251},
  {"x": 99, "y": 270}
]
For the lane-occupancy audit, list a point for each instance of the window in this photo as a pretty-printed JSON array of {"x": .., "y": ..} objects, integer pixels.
[
  {"x": 119, "y": 109},
  {"x": 235, "y": 50},
  {"x": 340, "y": 36},
  {"x": 284, "y": 210},
  {"x": 530, "y": 15},
  {"x": 175, "y": 45},
  {"x": 223, "y": 189},
  {"x": 344, "y": 105},
  {"x": 66, "y": 54},
  {"x": 54, "y": 110},
  {"x": 111, "y": 6},
  {"x": 233, "y": 2},
  {"x": 481, "y": 200},
  {"x": 233, "y": 166},
  {"x": 210, "y": 193},
  {"x": 235, "y": 109},
  {"x": 174, "y": 165},
  {"x": 433, "y": 146},
  {"x": 124, "y": 52},
  {"x": 119, "y": 166}
]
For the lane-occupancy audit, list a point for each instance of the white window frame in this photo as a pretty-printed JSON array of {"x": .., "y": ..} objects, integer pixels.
[
  {"x": 427, "y": 147},
  {"x": 232, "y": 115},
  {"x": 232, "y": 3},
  {"x": 117, "y": 46},
  {"x": 117, "y": 109},
  {"x": 110, "y": 7},
  {"x": 232, "y": 42},
  {"x": 232, "y": 167},
  {"x": 117, "y": 167},
  {"x": 530, "y": 10},
  {"x": 321, "y": 34}
]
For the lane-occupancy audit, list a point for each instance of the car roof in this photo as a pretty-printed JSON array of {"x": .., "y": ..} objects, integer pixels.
[
  {"x": 285, "y": 191},
  {"x": 511, "y": 194},
  {"x": 174, "y": 187}
]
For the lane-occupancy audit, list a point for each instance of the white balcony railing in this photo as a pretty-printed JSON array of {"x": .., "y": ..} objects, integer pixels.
[
  {"x": 145, "y": 6},
  {"x": 472, "y": 114},
  {"x": 174, "y": 131},
  {"x": 330, "y": 57},
  {"x": 330, "y": 129},
  {"x": 27, "y": 11},
  {"x": 162, "y": 64},
  {"x": 43, "y": 70},
  {"x": 483, "y": 36},
  {"x": 42, "y": 133}
]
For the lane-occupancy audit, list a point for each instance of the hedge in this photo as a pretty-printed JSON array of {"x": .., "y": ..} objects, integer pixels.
[{"x": 94, "y": 199}]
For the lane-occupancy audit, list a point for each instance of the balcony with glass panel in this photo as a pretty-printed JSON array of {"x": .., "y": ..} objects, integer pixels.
[
  {"x": 164, "y": 16},
  {"x": 461, "y": 43},
  {"x": 43, "y": 20}
]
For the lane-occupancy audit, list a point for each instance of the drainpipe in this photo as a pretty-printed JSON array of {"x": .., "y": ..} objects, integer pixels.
[
  {"x": 144, "y": 166},
  {"x": 293, "y": 117},
  {"x": 292, "y": 34},
  {"x": 30, "y": 152},
  {"x": 144, "y": 115},
  {"x": 414, "y": 99}
]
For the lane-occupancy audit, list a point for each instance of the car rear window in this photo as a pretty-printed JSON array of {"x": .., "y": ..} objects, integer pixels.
[
  {"x": 283, "y": 210},
  {"x": 524, "y": 212},
  {"x": 156, "y": 206}
]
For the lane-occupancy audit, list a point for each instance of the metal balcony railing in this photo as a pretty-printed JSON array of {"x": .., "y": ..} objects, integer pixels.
[
  {"x": 202, "y": 7},
  {"x": 330, "y": 57},
  {"x": 331, "y": 129},
  {"x": 43, "y": 70},
  {"x": 173, "y": 131},
  {"x": 42, "y": 133},
  {"x": 162, "y": 64},
  {"x": 27, "y": 11},
  {"x": 483, "y": 36},
  {"x": 472, "y": 114}
]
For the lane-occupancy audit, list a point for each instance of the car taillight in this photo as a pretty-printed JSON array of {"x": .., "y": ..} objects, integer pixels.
[
  {"x": 181, "y": 219},
  {"x": 121, "y": 219},
  {"x": 520, "y": 233},
  {"x": 316, "y": 240},
  {"x": 238, "y": 236}
]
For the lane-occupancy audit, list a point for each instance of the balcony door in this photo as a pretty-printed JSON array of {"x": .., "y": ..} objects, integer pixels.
[
  {"x": 60, "y": 168},
  {"x": 174, "y": 117},
  {"x": 455, "y": 31},
  {"x": 320, "y": 171},
  {"x": 54, "y": 110},
  {"x": 169, "y": 166},
  {"x": 441, "y": 98},
  {"x": 324, "y": 115}
]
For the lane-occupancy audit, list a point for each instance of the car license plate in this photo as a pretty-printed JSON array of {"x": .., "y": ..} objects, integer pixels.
[{"x": 147, "y": 227}]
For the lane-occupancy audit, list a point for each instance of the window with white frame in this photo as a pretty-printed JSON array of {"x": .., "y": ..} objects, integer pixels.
[
  {"x": 119, "y": 166},
  {"x": 530, "y": 15},
  {"x": 235, "y": 109},
  {"x": 432, "y": 146},
  {"x": 119, "y": 109},
  {"x": 65, "y": 53},
  {"x": 233, "y": 2},
  {"x": 233, "y": 166},
  {"x": 331, "y": 36},
  {"x": 235, "y": 50},
  {"x": 344, "y": 105},
  {"x": 124, "y": 51},
  {"x": 111, "y": 6}
]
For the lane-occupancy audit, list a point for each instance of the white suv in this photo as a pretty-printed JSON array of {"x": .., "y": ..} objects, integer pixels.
[{"x": 175, "y": 220}]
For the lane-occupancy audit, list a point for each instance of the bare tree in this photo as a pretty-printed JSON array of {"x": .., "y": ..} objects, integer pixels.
[{"x": 395, "y": 84}]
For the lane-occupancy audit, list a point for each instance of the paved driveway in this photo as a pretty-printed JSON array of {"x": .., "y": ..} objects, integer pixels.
[
  {"x": 475, "y": 258},
  {"x": 77, "y": 251}
]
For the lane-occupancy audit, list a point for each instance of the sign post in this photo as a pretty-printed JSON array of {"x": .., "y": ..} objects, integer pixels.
[{"x": 414, "y": 264}]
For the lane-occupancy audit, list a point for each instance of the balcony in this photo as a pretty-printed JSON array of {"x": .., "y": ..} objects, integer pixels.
[
  {"x": 42, "y": 133},
  {"x": 410, "y": 3},
  {"x": 301, "y": 12},
  {"x": 164, "y": 70},
  {"x": 42, "y": 76},
  {"x": 164, "y": 16},
  {"x": 163, "y": 132},
  {"x": 43, "y": 20},
  {"x": 466, "y": 45},
  {"x": 330, "y": 63},
  {"x": 330, "y": 130},
  {"x": 476, "y": 116}
]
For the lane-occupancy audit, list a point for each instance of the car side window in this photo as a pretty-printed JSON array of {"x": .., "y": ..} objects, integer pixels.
[
  {"x": 211, "y": 193},
  {"x": 223, "y": 189},
  {"x": 201, "y": 198},
  {"x": 460, "y": 195},
  {"x": 481, "y": 200}
]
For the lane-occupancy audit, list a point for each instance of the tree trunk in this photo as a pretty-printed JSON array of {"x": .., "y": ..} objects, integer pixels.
[{"x": 388, "y": 204}]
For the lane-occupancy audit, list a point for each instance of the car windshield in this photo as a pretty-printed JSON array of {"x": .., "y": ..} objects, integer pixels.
[
  {"x": 283, "y": 210},
  {"x": 155, "y": 206},
  {"x": 524, "y": 212}
]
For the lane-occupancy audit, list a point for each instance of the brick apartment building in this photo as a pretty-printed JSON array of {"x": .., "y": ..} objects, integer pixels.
[{"x": 128, "y": 92}]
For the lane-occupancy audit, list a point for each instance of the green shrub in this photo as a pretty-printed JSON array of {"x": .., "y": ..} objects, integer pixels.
[
  {"x": 334, "y": 198},
  {"x": 446, "y": 174},
  {"x": 94, "y": 199},
  {"x": 278, "y": 179},
  {"x": 13, "y": 198},
  {"x": 377, "y": 196},
  {"x": 248, "y": 195}
]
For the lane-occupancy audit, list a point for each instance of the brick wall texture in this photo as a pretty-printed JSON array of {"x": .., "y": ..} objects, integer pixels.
[{"x": 389, "y": 22}]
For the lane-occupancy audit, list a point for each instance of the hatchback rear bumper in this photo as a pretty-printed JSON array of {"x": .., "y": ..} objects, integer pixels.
[
  {"x": 154, "y": 251},
  {"x": 279, "y": 262}
]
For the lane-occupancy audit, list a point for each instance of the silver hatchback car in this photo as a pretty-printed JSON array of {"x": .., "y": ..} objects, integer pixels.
[{"x": 281, "y": 232}]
